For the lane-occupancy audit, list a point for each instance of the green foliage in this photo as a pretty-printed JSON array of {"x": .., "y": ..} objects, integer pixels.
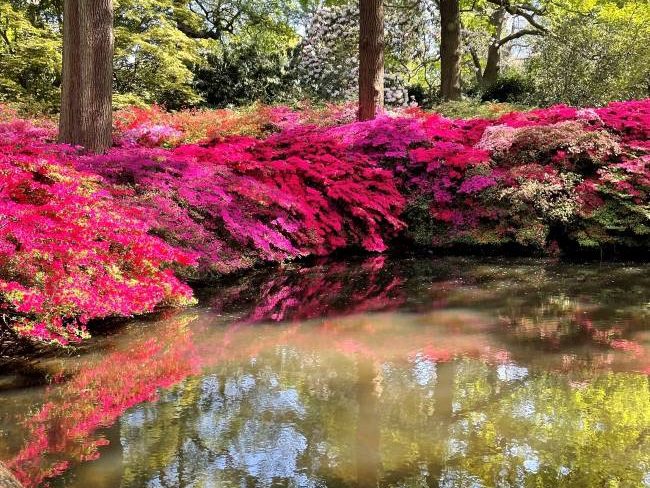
[
  {"x": 242, "y": 74},
  {"x": 153, "y": 57},
  {"x": 514, "y": 87},
  {"x": 251, "y": 66},
  {"x": 472, "y": 108},
  {"x": 595, "y": 57},
  {"x": 181, "y": 53},
  {"x": 239, "y": 50},
  {"x": 30, "y": 60}
]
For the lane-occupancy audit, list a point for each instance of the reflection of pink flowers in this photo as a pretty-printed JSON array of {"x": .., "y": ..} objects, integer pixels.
[
  {"x": 628, "y": 346},
  {"x": 63, "y": 430},
  {"x": 315, "y": 292}
]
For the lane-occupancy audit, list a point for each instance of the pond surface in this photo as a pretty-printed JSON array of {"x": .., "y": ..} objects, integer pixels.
[{"x": 398, "y": 373}]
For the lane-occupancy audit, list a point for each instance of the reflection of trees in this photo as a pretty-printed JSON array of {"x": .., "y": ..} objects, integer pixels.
[
  {"x": 368, "y": 429},
  {"x": 386, "y": 397},
  {"x": 542, "y": 430},
  {"x": 243, "y": 425},
  {"x": 290, "y": 417}
]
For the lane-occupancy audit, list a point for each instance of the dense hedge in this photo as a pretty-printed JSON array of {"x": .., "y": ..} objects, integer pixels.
[{"x": 198, "y": 193}]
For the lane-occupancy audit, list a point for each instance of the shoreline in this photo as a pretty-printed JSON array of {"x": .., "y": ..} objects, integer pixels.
[{"x": 20, "y": 356}]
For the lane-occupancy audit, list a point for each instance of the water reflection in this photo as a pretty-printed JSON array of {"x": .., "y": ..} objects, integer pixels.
[{"x": 465, "y": 374}]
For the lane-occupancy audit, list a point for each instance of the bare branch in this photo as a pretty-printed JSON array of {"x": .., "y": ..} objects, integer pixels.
[{"x": 517, "y": 35}]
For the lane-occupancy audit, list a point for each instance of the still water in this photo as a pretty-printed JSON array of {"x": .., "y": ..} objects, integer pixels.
[{"x": 392, "y": 373}]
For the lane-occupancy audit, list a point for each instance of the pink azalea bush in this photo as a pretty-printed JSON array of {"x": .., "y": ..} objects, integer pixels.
[
  {"x": 240, "y": 201},
  {"x": 69, "y": 252},
  {"x": 549, "y": 178},
  {"x": 197, "y": 193}
]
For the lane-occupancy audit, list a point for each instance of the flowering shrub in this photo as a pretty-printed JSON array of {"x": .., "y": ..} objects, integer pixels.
[
  {"x": 87, "y": 237},
  {"x": 68, "y": 251},
  {"x": 539, "y": 179},
  {"x": 153, "y": 126},
  {"x": 239, "y": 201}
]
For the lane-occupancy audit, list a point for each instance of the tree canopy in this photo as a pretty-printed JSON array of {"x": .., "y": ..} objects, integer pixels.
[{"x": 183, "y": 53}]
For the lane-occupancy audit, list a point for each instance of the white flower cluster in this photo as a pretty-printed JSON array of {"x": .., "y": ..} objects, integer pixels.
[
  {"x": 328, "y": 64},
  {"x": 395, "y": 93}
]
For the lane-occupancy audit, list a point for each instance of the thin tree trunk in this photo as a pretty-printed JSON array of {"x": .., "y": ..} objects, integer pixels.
[
  {"x": 492, "y": 66},
  {"x": 371, "y": 58},
  {"x": 86, "y": 98},
  {"x": 450, "y": 49},
  {"x": 444, "y": 411}
]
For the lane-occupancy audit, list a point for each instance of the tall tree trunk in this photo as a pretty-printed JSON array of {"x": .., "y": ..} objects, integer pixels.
[
  {"x": 493, "y": 62},
  {"x": 371, "y": 58},
  {"x": 450, "y": 49},
  {"x": 86, "y": 98}
]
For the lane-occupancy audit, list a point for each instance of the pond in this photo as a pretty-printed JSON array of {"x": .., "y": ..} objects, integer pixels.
[{"x": 384, "y": 372}]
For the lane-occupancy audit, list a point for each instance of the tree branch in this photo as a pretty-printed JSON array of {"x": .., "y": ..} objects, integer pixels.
[
  {"x": 517, "y": 35},
  {"x": 526, "y": 11}
]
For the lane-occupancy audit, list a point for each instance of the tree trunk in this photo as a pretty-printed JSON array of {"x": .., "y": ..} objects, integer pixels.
[
  {"x": 493, "y": 62},
  {"x": 492, "y": 66},
  {"x": 371, "y": 58},
  {"x": 86, "y": 98},
  {"x": 450, "y": 49}
]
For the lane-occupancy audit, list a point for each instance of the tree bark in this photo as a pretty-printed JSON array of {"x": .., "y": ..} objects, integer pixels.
[
  {"x": 450, "y": 50},
  {"x": 492, "y": 66},
  {"x": 371, "y": 58},
  {"x": 493, "y": 62},
  {"x": 86, "y": 98}
]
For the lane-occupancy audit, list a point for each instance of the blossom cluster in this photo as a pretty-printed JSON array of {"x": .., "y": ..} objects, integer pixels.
[
  {"x": 239, "y": 201},
  {"x": 550, "y": 179},
  {"x": 69, "y": 252},
  {"x": 198, "y": 193}
]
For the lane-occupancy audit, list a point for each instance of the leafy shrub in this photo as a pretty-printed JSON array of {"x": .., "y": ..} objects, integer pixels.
[
  {"x": 512, "y": 87},
  {"x": 239, "y": 201},
  {"x": 242, "y": 74},
  {"x": 470, "y": 108},
  {"x": 69, "y": 252}
]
